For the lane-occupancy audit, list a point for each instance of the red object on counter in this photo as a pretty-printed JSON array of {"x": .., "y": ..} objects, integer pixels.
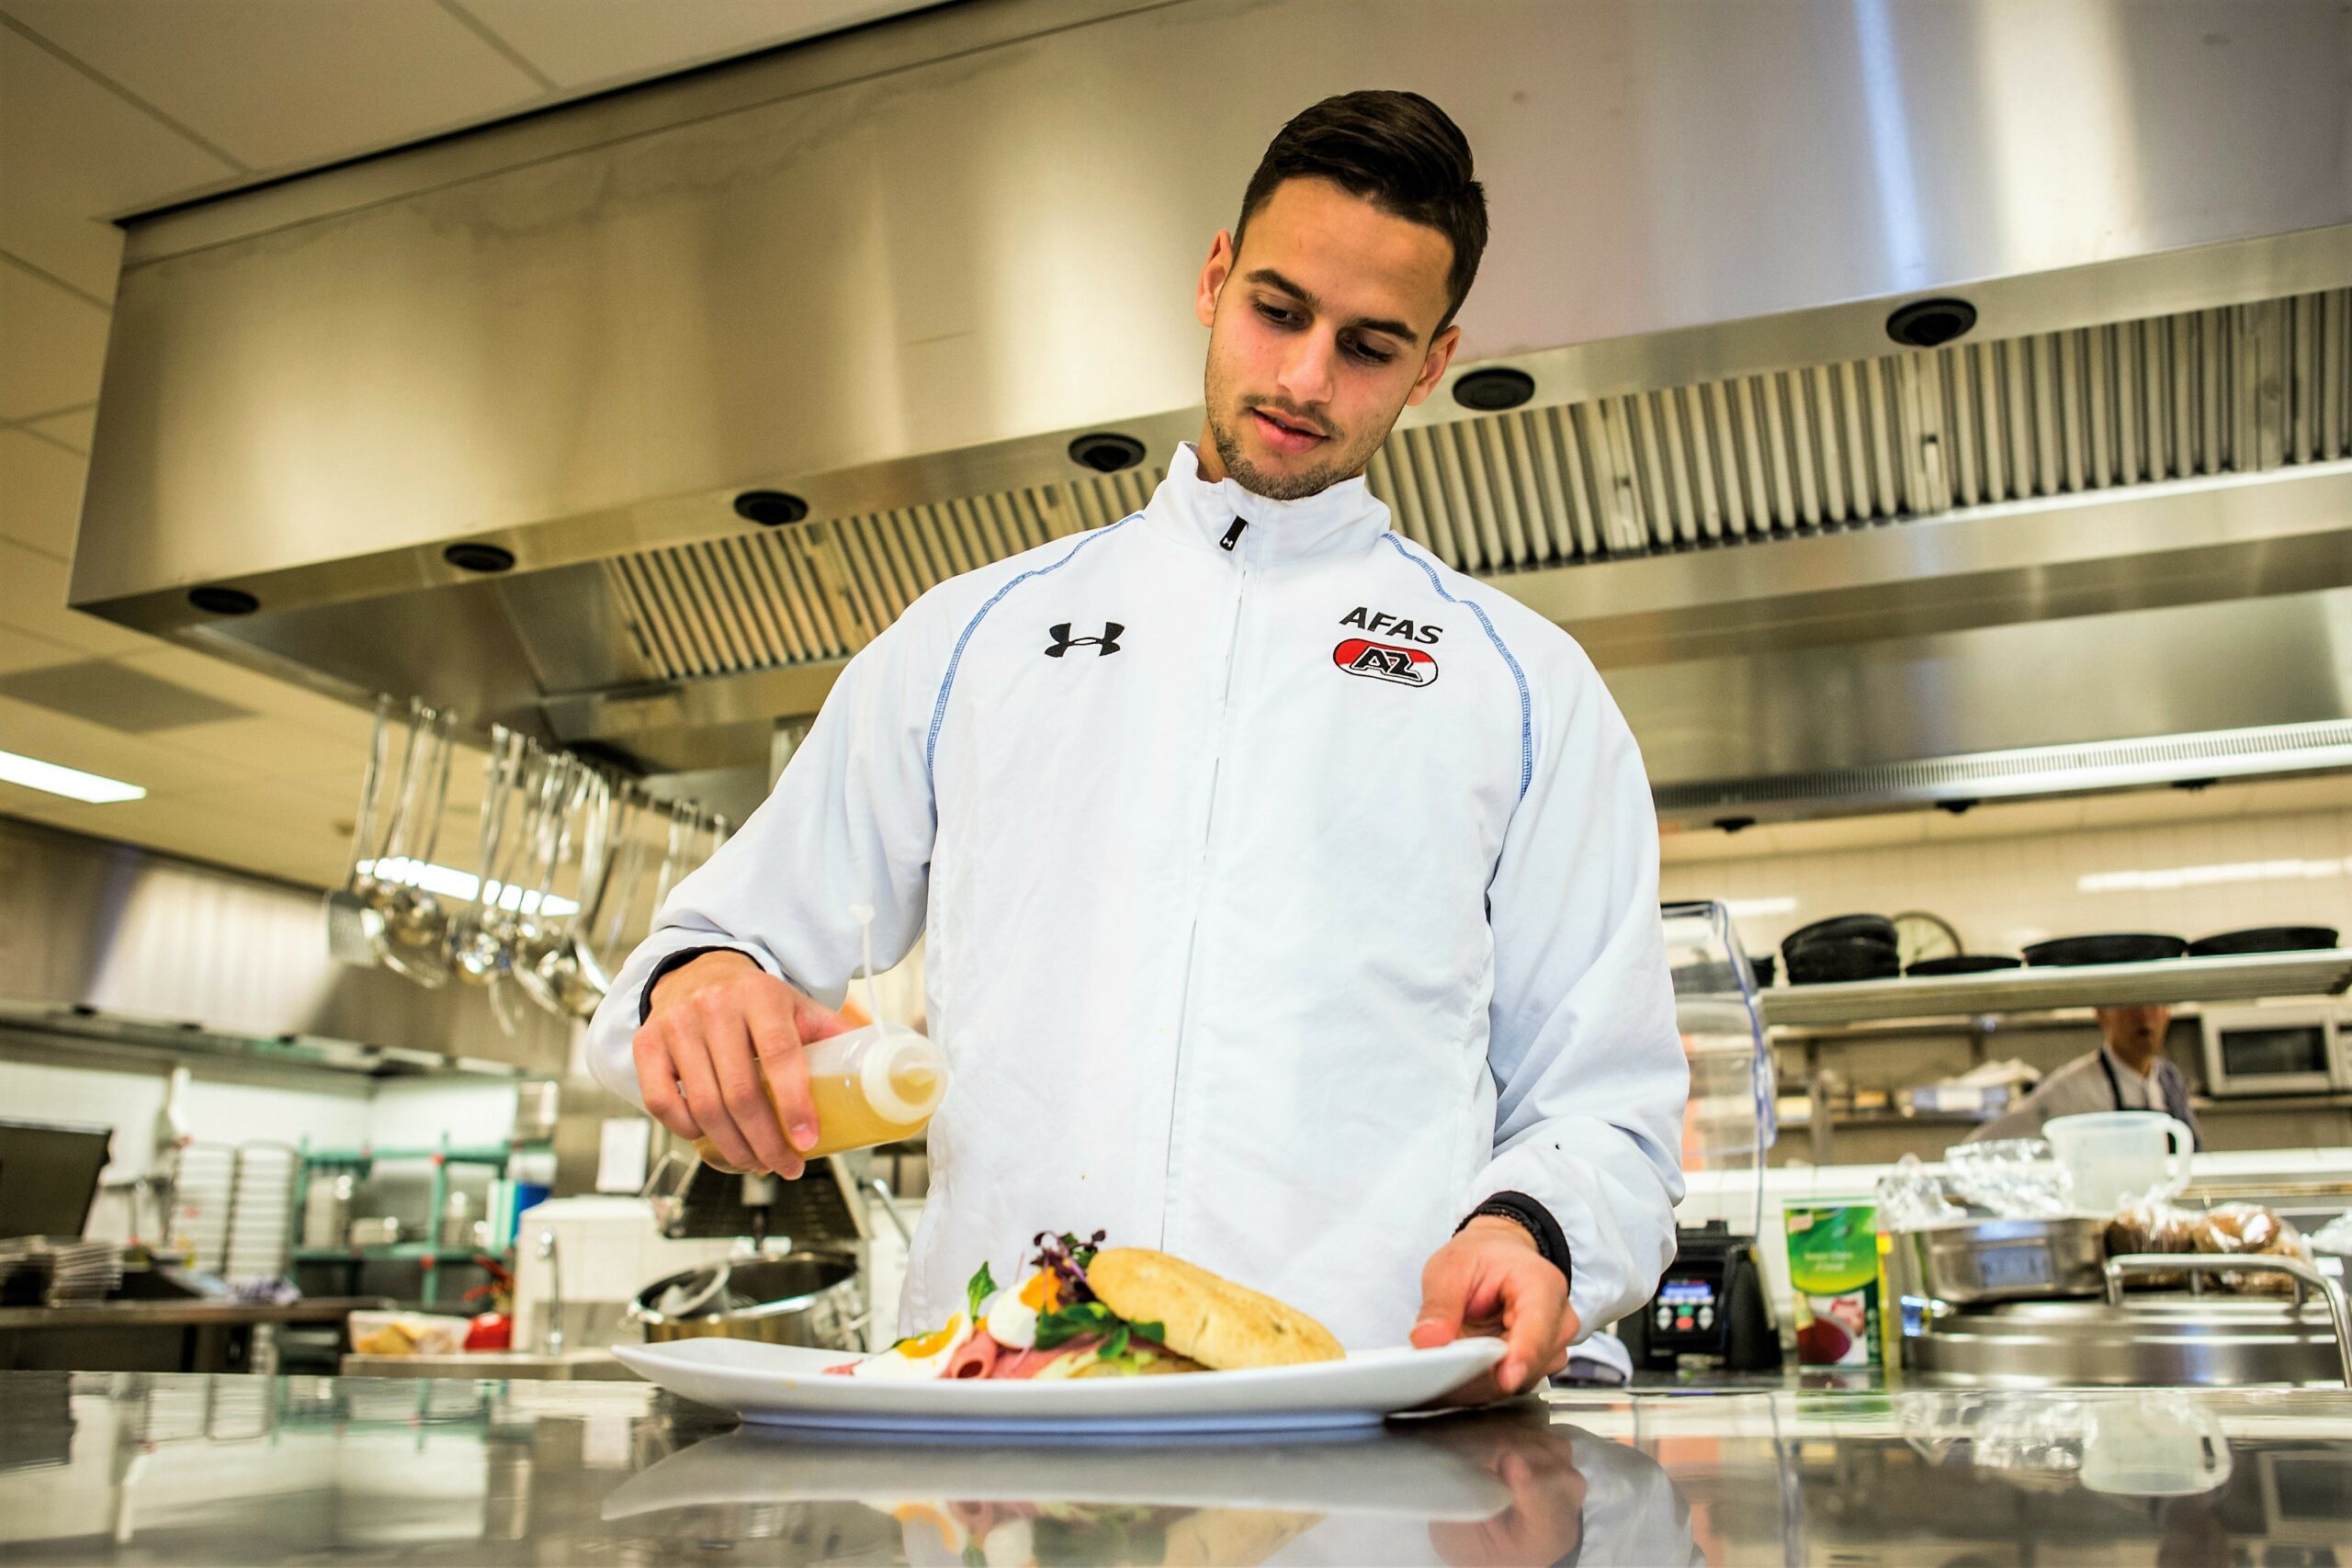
[{"x": 491, "y": 1331}]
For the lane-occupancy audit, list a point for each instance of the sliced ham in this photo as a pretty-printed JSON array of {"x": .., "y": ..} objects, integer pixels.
[{"x": 980, "y": 1358}]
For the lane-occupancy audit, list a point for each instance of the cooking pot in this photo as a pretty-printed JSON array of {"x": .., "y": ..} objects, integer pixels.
[{"x": 810, "y": 1299}]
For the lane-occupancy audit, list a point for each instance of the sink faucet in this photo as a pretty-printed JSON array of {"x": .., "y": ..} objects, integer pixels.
[{"x": 553, "y": 1337}]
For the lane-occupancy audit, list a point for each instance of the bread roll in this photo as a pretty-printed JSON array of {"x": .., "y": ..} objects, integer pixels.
[{"x": 1223, "y": 1325}]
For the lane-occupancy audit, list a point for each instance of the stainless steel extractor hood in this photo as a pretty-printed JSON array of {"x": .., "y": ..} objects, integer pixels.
[{"x": 894, "y": 274}]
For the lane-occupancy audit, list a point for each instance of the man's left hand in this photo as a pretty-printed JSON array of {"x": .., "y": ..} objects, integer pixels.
[{"x": 1490, "y": 1279}]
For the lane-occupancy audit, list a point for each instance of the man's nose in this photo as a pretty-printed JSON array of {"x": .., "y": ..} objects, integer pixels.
[{"x": 1306, "y": 378}]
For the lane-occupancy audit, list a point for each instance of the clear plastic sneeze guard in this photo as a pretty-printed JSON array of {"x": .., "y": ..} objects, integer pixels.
[{"x": 1730, "y": 1123}]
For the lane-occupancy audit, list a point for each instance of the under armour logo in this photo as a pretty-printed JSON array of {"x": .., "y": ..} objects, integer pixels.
[{"x": 1105, "y": 645}]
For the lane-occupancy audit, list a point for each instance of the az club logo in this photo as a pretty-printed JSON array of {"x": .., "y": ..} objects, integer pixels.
[
  {"x": 1104, "y": 646},
  {"x": 1385, "y": 662}
]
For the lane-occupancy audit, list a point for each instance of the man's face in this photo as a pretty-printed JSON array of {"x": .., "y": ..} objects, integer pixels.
[
  {"x": 2135, "y": 1031},
  {"x": 1321, "y": 331}
]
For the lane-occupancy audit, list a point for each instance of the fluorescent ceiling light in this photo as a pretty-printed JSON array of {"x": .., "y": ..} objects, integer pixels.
[
  {"x": 2208, "y": 875},
  {"x": 1751, "y": 908},
  {"x": 449, "y": 883},
  {"x": 70, "y": 783}
]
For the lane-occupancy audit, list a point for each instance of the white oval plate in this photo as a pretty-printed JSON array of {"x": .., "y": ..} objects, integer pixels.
[{"x": 784, "y": 1385}]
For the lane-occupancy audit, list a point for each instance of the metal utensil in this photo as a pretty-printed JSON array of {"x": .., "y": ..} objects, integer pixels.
[
  {"x": 572, "y": 970},
  {"x": 415, "y": 920},
  {"x": 538, "y": 930},
  {"x": 353, "y": 925},
  {"x": 474, "y": 953}
]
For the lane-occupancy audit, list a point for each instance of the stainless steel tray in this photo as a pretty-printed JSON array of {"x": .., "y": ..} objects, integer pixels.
[
  {"x": 2142, "y": 1340},
  {"x": 1995, "y": 1260}
]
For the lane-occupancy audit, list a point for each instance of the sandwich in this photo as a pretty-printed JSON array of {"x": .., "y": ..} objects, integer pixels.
[{"x": 1080, "y": 1310}]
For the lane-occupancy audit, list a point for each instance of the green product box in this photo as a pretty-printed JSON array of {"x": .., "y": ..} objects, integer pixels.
[{"x": 1833, "y": 1266}]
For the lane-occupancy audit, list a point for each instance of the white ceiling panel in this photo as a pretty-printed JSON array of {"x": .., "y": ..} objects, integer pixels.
[
  {"x": 83, "y": 252},
  {"x": 19, "y": 651},
  {"x": 80, "y": 146},
  {"x": 281, "y": 82},
  {"x": 156, "y": 766},
  {"x": 32, "y": 600},
  {"x": 598, "y": 42},
  {"x": 74, "y": 429},
  {"x": 200, "y": 829},
  {"x": 339, "y": 723},
  {"x": 40, "y": 494},
  {"x": 53, "y": 346}
]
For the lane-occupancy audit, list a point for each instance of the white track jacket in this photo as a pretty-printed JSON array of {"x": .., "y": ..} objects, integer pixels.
[{"x": 1289, "y": 893}]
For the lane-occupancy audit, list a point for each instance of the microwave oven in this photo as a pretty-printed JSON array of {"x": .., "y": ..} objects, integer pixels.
[{"x": 2276, "y": 1050}]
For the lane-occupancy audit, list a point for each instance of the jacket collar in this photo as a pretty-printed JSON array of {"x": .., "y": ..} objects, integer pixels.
[{"x": 1344, "y": 519}]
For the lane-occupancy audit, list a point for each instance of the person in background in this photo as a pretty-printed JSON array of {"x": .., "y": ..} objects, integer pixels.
[{"x": 2128, "y": 1072}]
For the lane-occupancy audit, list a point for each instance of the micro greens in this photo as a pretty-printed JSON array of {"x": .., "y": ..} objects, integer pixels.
[{"x": 982, "y": 1286}]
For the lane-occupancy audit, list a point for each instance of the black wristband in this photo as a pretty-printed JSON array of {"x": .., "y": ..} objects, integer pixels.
[
  {"x": 677, "y": 960},
  {"x": 1536, "y": 1221}
]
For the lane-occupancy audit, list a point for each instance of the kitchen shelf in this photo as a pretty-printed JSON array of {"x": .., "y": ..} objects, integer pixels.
[
  {"x": 1892, "y": 1119},
  {"x": 494, "y": 1155},
  {"x": 2239, "y": 977},
  {"x": 400, "y": 1252}
]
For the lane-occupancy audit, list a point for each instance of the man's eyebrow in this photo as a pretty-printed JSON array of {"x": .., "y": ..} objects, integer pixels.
[{"x": 1273, "y": 280}]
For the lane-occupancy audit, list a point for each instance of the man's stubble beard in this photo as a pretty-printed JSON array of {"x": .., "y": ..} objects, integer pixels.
[{"x": 1276, "y": 486}]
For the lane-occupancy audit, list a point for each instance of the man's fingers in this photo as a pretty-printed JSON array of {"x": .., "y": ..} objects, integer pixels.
[
  {"x": 657, "y": 1080},
  {"x": 1534, "y": 1300},
  {"x": 775, "y": 1036},
  {"x": 737, "y": 1071},
  {"x": 703, "y": 1098},
  {"x": 1446, "y": 1293},
  {"x": 813, "y": 1023}
]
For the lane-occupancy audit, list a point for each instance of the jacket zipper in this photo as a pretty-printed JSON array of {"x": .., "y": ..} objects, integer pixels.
[{"x": 1208, "y": 840}]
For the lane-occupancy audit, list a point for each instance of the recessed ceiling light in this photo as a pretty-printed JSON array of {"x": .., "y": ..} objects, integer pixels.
[
  {"x": 70, "y": 783},
  {"x": 1106, "y": 451},
  {"x": 1493, "y": 389}
]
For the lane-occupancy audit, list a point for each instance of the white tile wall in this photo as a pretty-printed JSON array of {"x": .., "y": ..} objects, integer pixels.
[{"x": 2001, "y": 893}]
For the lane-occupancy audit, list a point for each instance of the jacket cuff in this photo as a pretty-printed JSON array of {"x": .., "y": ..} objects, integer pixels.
[
  {"x": 677, "y": 960},
  {"x": 1536, "y": 1221}
]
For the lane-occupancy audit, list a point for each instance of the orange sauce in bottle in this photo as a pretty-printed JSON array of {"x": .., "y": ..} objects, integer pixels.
[{"x": 875, "y": 1084}]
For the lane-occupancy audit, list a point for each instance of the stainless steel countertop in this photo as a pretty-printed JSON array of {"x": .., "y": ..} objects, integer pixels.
[
  {"x": 193, "y": 1312},
  {"x": 170, "y": 1469},
  {"x": 569, "y": 1365}
]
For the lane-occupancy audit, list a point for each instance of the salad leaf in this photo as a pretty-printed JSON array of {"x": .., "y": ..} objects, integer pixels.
[
  {"x": 1158, "y": 1331},
  {"x": 982, "y": 1286},
  {"x": 1066, "y": 1323}
]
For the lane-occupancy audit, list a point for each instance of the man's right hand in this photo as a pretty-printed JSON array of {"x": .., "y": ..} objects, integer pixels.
[{"x": 716, "y": 1029}]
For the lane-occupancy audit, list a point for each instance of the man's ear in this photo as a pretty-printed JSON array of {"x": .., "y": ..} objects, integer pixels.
[
  {"x": 1441, "y": 354},
  {"x": 1214, "y": 272}
]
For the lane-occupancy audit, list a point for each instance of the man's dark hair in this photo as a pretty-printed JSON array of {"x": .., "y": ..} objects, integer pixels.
[{"x": 1398, "y": 150}]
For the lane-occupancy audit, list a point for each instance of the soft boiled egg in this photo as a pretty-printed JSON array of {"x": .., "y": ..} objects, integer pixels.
[
  {"x": 1012, "y": 1313},
  {"x": 925, "y": 1356}
]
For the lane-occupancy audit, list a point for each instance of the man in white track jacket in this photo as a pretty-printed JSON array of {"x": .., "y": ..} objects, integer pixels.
[{"x": 1292, "y": 899}]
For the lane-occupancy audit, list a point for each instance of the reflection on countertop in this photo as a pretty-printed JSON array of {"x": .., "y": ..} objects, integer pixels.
[{"x": 152, "y": 1468}]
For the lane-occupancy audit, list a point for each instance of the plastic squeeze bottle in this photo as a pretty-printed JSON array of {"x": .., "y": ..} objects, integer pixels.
[{"x": 873, "y": 1085}]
